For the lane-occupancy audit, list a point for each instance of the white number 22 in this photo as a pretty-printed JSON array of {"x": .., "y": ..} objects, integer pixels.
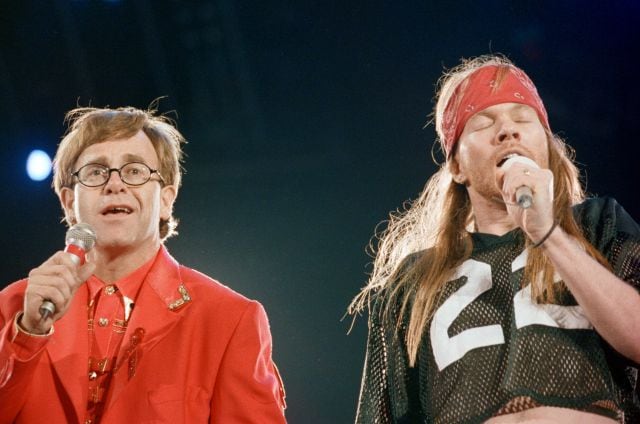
[{"x": 447, "y": 350}]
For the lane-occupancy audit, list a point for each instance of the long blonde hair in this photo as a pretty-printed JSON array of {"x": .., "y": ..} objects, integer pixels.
[{"x": 438, "y": 222}]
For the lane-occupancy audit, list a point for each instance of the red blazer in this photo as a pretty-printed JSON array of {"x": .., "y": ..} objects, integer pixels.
[{"x": 196, "y": 352}]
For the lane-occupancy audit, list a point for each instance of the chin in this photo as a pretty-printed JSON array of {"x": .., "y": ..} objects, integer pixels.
[{"x": 114, "y": 241}]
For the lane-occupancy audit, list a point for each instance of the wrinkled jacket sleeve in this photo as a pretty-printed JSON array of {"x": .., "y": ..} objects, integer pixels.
[
  {"x": 248, "y": 388},
  {"x": 19, "y": 355}
]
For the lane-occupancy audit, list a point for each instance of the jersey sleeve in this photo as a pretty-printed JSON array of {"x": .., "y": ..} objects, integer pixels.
[
  {"x": 615, "y": 234},
  {"x": 374, "y": 404},
  {"x": 389, "y": 391}
]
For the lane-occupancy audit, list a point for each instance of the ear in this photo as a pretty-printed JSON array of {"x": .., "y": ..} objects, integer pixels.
[
  {"x": 456, "y": 172},
  {"x": 67, "y": 201},
  {"x": 167, "y": 197}
]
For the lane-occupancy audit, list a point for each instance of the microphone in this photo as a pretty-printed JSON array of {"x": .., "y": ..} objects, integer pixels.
[
  {"x": 524, "y": 195},
  {"x": 79, "y": 240}
]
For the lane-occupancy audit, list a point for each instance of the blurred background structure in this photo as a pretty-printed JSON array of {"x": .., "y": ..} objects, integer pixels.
[{"x": 305, "y": 126}]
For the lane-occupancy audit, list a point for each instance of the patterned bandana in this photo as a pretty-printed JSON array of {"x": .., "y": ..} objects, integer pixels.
[{"x": 488, "y": 86}]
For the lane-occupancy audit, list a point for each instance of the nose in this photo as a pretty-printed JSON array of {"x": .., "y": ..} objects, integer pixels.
[
  {"x": 114, "y": 184},
  {"x": 507, "y": 132}
]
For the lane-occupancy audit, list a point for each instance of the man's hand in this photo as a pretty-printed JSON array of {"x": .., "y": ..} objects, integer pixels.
[
  {"x": 537, "y": 219},
  {"x": 56, "y": 280}
]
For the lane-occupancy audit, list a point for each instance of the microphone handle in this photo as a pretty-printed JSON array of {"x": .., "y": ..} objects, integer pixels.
[
  {"x": 48, "y": 308},
  {"x": 524, "y": 197}
]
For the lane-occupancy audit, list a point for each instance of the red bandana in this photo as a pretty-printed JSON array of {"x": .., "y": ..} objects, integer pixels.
[{"x": 488, "y": 86}]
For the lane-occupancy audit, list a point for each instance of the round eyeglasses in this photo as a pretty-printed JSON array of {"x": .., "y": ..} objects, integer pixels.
[{"x": 132, "y": 173}]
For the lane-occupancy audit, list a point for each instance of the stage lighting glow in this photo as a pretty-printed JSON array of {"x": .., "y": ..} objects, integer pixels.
[{"x": 38, "y": 165}]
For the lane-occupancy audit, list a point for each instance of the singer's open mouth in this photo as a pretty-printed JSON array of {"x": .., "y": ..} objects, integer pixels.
[
  {"x": 504, "y": 159},
  {"x": 117, "y": 210}
]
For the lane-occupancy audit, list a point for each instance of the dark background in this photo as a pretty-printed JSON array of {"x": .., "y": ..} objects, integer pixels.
[{"x": 305, "y": 121}]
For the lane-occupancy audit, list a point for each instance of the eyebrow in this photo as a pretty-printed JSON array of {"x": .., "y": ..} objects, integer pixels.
[
  {"x": 516, "y": 108},
  {"x": 129, "y": 157},
  {"x": 481, "y": 114},
  {"x": 521, "y": 107}
]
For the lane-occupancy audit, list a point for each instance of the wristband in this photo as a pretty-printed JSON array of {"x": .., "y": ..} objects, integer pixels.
[{"x": 546, "y": 236}]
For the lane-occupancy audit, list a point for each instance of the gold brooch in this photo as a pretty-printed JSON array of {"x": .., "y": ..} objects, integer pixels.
[{"x": 182, "y": 301}]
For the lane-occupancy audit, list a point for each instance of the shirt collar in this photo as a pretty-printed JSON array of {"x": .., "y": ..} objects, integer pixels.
[
  {"x": 129, "y": 285},
  {"x": 485, "y": 241}
]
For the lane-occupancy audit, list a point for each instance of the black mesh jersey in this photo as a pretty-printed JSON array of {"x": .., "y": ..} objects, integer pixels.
[{"x": 488, "y": 345}]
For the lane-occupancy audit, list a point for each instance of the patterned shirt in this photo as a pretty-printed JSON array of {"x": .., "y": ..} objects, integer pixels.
[{"x": 110, "y": 307}]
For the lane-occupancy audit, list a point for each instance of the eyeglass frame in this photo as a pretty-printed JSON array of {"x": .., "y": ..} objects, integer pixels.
[{"x": 118, "y": 170}]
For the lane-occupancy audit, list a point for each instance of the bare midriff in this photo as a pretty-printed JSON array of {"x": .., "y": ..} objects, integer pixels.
[{"x": 551, "y": 415}]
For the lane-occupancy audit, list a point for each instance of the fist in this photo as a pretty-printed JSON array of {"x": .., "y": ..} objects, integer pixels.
[{"x": 57, "y": 281}]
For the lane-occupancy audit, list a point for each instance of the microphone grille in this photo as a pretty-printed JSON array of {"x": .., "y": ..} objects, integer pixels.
[{"x": 81, "y": 233}]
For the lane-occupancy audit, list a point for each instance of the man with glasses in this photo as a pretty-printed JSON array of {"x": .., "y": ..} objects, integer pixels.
[{"x": 130, "y": 335}]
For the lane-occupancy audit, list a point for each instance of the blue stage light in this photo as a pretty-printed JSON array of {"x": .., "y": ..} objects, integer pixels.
[{"x": 38, "y": 165}]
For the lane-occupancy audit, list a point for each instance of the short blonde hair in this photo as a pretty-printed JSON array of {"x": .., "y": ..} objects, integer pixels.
[{"x": 88, "y": 126}]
